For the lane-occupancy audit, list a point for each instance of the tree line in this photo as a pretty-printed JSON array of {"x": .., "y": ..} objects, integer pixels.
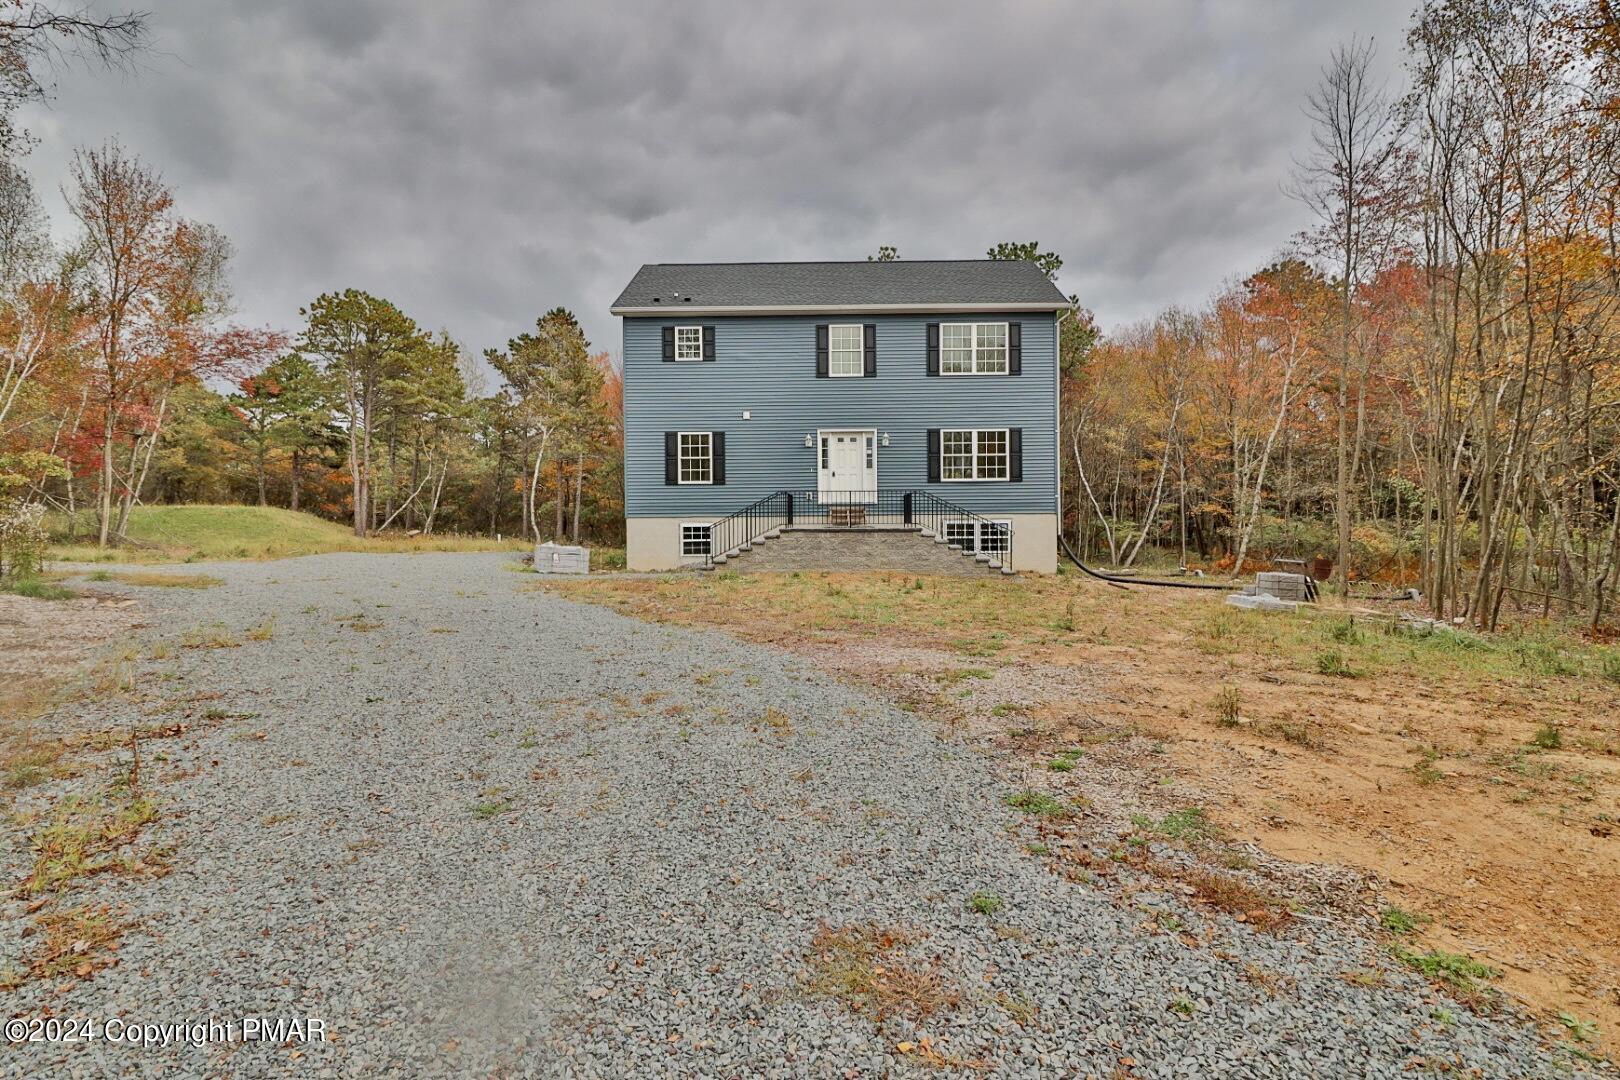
[{"x": 1425, "y": 389}]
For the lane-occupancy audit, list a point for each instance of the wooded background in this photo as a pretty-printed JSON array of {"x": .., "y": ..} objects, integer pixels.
[{"x": 1423, "y": 389}]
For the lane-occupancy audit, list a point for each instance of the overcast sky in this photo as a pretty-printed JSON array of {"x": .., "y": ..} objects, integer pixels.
[{"x": 478, "y": 163}]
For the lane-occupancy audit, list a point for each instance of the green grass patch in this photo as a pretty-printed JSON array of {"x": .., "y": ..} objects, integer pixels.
[
  {"x": 36, "y": 589},
  {"x": 1457, "y": 970},
  {"x": 1424, "y": 768},
  {"x": 984, "y": 903},
  {"x": 1063, "y": 763},
  {"x": 1038, "y": 803},
  {"x": 1547, "y": 737},
  {"x": 209, "y": 532},
  {"x": 1397, "y": 921},
  {"x": 1333, "y": 662},
  {"x": 1189, "y": 824},
  {"x": 495, "y": 801}
]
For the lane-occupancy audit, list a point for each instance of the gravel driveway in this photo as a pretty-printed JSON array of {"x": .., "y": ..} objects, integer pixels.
[{"x": 482, "y": 831}]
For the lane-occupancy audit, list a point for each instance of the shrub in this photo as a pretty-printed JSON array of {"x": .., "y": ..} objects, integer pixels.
[
  {"x": 1344, "y": 631},
  {"x": 22, "y": 539},
  {"x": 1547, "y": 737},
  {"x": 1333, "y": 662}
]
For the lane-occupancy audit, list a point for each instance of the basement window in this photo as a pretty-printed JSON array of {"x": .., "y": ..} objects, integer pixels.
[
  {"x": 694, "y": 540},
  {"x": 990, "y": 537}
]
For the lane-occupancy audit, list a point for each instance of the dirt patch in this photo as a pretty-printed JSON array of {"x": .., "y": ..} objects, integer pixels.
[
  {"x": 47, "y": 641},
  {"x": 1473, "y": 782}
]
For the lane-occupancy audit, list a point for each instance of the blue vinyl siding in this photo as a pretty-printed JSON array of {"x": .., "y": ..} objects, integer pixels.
[{"x": 767, "y": 366}]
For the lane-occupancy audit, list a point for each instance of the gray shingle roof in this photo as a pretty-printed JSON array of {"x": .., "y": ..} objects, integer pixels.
[{"x": 811, "y": 286}]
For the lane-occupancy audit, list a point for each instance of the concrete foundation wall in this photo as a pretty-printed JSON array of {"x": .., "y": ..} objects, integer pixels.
[{"x": 655, "y": 544}]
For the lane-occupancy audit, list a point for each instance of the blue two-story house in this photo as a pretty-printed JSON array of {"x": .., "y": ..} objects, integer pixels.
[{"x": 842, "y": 415}]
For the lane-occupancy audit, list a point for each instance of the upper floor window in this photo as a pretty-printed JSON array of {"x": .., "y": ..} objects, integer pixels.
[
  {"x": 696, "y": 461},
  {"x": 973, "y": 349},
  {"x": 845, "y": 350},
  {"x": 973, "y": 455},
  {"x": 689, "y": 343}
]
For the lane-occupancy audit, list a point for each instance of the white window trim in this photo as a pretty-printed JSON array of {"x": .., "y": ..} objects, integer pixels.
[
  {"x": 681, "y": 539},
  {"x": 1006, "y": 348},
  {"x": 679, "y": 435},
  {"x": 860, "y": 351},
  {"x": 1006, "y": 434},
  {"x": 977, "y": 528},
  {"x": 688, "y": 359}
]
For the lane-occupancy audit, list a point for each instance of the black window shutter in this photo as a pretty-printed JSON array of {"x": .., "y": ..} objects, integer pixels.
[
  {"x": 717, "y": 448},
  {"x": 933, "y": 348},
  {"x": 708, "y": 343},
  {"x": 1015, "y": 454},
  {"x": 870, "y": 339},
  {"x": 821, "y": 350},
  {"x": 672, "y": 464},
  {"x": 1015, "y": 348},
  {"x": 669, "y": 344},
  {"x": 933, "y": 455}
]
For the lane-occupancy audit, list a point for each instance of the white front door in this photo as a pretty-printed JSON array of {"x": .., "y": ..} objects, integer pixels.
[{"x": 848, "y": 466}]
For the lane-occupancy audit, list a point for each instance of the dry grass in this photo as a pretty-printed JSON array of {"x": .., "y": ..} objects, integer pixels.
[
  {"x": 1230, "y": 894},
  {"x": 863, "y": 968},
  {"x": 27, "y": 760},
  {"x": 155, "y": 580},
  {"x": 79, "y": 941},
  {"x": 212, "y": 636},
  {"x": 989, "y": 618},
  {"x": 80, "y": 837}
]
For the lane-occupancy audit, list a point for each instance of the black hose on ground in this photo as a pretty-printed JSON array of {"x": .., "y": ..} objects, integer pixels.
[{"x": 1120, "y": 582}]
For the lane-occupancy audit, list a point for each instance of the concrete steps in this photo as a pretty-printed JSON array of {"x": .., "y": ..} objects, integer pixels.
[{"x": 908, "y": 549}]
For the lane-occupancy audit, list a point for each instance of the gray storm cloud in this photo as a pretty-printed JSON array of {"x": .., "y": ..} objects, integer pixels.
[{"x": 479, "y": 163}]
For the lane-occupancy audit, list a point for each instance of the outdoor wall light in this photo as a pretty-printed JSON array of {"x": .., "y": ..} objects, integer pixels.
[
  {"x": 885, "y": 438},
  {"x": 810, "y": 439}
]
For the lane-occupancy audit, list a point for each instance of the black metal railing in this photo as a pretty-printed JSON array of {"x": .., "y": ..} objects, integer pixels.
[
  {"x": 857, "y": 509},
  {"x": 930, "y": 512},
  {"x": 745, "y": 526}
]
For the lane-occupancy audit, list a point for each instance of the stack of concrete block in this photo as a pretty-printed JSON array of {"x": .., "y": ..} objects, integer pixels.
[
  {"x": 1283, "y": 586},
  {"x": 551, "y": 558}
]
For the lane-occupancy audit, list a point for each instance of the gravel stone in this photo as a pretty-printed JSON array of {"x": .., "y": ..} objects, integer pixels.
[{"x": 485, "y": 831}]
